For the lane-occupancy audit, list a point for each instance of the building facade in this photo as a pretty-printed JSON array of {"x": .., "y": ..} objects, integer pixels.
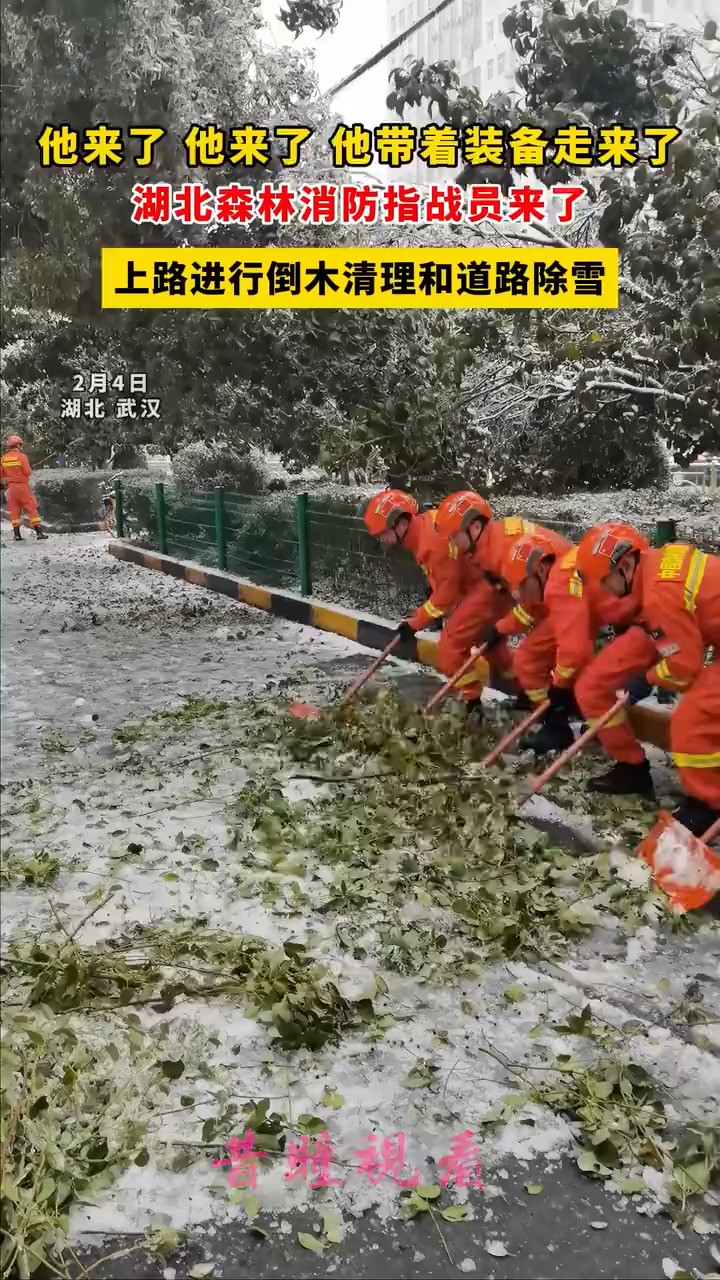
[{"x": 469, "y": 32}]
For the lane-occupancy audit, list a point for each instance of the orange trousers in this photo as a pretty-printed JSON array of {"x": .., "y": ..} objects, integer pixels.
[
  {"x": 481, "y": 607},
  {"x": 694, "y": 727},
  {"x": 597, "y": 688},
  {"x": 534, "y": 659},
  {"x": 695, "y": 736},
  {"x": 20, "y": 497}
]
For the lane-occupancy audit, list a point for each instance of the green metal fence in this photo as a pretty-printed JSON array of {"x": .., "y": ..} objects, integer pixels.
[{"x": 314, "y": 545}]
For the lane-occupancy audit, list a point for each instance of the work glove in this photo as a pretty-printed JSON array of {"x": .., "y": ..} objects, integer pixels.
[
  {"x": 637, "y": 689},
  {"x": 491, "y": 638},
  {"x": 561, "y": 700},
  {"x": 406, "y": 636}
]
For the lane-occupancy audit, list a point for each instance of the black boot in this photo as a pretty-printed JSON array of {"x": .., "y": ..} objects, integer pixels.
[
  {"x": 665, "y": 696},
  {"x": 554, "y": 734},
  {"x": 17, "y": 536},
  {"x": 39, "y": 534},
  {"x": 695, "y": 815},
  {"x": 522, "y": 703},
  {"x": 624, "y": 780}
]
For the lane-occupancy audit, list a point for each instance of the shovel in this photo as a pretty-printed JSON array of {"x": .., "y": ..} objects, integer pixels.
[
  {"x": 304, "y": 711},
  {"x": 515, "y": 733},
  {"x": 682, "y": 865},
  {"x": 577, "y": 746},
  {"x": 450, "y": 684}
]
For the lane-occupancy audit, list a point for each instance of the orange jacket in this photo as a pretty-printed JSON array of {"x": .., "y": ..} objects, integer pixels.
[
  {"x": 443, "y": 568},
  {"x": 577, "y": 611},
  {"x": 678, "y": 588},
  {"x": 14, "y": 467}
]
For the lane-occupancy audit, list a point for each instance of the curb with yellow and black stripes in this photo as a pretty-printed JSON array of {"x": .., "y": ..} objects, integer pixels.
[{"x": 650, "y": 725}]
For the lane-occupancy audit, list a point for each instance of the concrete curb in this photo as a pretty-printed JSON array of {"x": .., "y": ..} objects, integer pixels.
[{"x": 372, "y": 633}]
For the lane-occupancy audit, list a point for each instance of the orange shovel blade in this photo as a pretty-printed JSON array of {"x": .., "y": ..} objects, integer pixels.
[
  {"x": 682, "y": 864},
  {"x": 303, "y": 711}
]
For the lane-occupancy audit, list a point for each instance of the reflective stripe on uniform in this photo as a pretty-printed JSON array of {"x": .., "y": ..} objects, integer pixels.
[
  {"x": 565, "y": 673},
  {"x": 514, "y": 526},
  {"x": 663, "y": 672},
  {"x": 522, "y": 616},
  {"x": 575, "y": 585},
  {"x": 479, "y": 674},
  {"x": 472, "y": 677},
  {"x": 693, "y": 579},
  {"x": 431, "y": 610},
  {"x": 686, "y": 760},
  {"x": 618, "y": 718},
  {"x": 536, "y": 695}
]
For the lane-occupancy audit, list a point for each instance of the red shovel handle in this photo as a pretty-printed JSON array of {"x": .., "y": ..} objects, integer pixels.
[
  {"x": 365, "y": 676},
  {"x": 515, "y": 733},
  {"x": 450, "y": 684},
  {"x": 577, "y": 746},
  {"x": 711, "y": 832}
]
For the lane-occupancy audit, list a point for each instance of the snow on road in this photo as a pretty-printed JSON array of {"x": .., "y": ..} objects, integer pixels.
[
  {"x": 138, "y": 825},
  {"x": 90, "y": 642}
]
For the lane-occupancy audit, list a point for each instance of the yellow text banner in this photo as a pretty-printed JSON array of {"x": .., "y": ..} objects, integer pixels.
[{"x": 406, "y": 279}]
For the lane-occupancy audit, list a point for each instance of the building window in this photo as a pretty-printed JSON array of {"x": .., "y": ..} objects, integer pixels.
[
  {"x": 648, "y": 7},
  {"x": 489, "y": 70},
  {"x": 393, "y": 26},
  {"x": 501, "y": 64},
  {"x": 490, "y": 31}
]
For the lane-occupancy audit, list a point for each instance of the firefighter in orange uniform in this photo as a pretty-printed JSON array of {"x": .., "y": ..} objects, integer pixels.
[
  {"x": 16, "y": 472},
  {"x": 677, "y": 591},
  {"x": 559, "y": 619},
  {"x": 466, "y": 520},
  {"x": 393, "y": 517}
]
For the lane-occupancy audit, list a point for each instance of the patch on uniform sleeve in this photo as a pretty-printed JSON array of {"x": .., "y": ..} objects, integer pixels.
[
  {"x": 672, "y": 560},
  {"x": 667, "y": 650}
]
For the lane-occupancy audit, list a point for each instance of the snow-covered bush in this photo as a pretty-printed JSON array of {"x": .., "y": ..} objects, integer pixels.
[
  {"x": 138, "y": 494},
  {"x": 208, "y": 465},
  {"x": 696, "y": 512},
  {"x": 72, "y": 496}
]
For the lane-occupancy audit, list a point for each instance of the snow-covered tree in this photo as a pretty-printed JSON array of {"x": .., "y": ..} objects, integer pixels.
[{"x": 653, "y": 366}]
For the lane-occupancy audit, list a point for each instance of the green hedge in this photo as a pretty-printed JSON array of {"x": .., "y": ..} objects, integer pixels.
[
  {"x": 72, "y": 496},
  {"x": 262, "y": 545}
]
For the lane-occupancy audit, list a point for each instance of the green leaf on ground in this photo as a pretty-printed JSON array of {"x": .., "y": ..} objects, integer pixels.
[{"x": 309, "y": 1242}]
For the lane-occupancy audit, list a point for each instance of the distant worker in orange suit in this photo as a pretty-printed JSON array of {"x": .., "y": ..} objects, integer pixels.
[
  {"x": 394, "y": 518},
  {"x": 466, "y": 520},
  {"x": 16, "y": 471},
  {"x": 677, "y": 591},
  {"x": 559, "y": 618}
]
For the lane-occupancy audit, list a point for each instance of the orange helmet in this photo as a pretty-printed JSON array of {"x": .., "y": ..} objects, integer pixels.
[
  {"x": 523, "y": 557},
  {"x": 602, "y": 547},
  {"x": 385, "y": 509},
  {"x": 458, "y": 510},
  {"x": 14, "y": 442}
]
